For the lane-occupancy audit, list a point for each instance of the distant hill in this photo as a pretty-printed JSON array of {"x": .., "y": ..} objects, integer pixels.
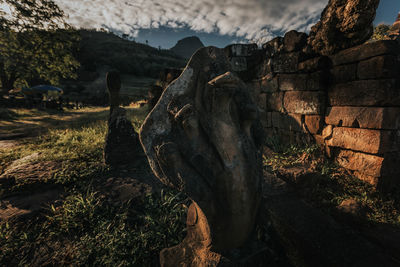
[
  {"x": 187, "y": 46},
  {"x": 139, "y": 64},
  {"x": 99, "y": 49}
]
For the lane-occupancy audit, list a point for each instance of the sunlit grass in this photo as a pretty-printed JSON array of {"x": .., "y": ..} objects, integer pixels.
[{"x": 86, "y": 228}]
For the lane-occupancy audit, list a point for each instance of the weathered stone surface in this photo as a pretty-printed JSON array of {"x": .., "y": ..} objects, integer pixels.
[
  {"x": 240, "y": 50},
  {"x": 366, "y": 51},
  {"x": 287, "y": 62},
  {"x": 273, "y": 47},
  {"x": 262, "y": 101},
  {"x": 315, "y": 64},
  {"x": 364, "y": 117},
  {"x": 294, "y": 41},
  {"x": 370, "y": 165},
  {"x": 317, "y": 81},
  {"x": 366, "y": 93},
  {"x": 290, "y": 122},
  {"x": 202, "y": 138},
  {"x": 314, "y": 123},
  {"x": 304, "y": 102},
  {"x": 275, "y": 101},
  {"x": 387, "y": 66},
  {"x": 293, "y": 82},
  {"x": 327, "y": 132},
  {"x": 343, "y": 24},
  {"x": 269, "y": 84},
  {"x": 364, "y": 140},
  {"x": 269, "y": 119},
  {"x": 344, "y": 73},
  {"x": 122, "y": 144}
]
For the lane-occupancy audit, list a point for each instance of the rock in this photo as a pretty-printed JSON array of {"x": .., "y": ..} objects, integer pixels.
[
  {"x": 122, "y": 144},
  {"x": 202, "y": 137},
  {"x": 364, "y": 140},
  {"x": 314, "y": 123},
  {"x": 293, "y": 82},
  {"x": 366, "y": 51},
  {"x": 275, "y": 101},
  {"x": 364, "y": 117},
  {"x": 294, "y": 41},
  {"x": 344, "y": 73},
  {"x": 387, "y": 66},
  {"x": 315, "y": 64},
  {"x": 273, "y": 47},
  {"x": 370, "y": 165},
  {"x": 291, "y": 122},
  {"x": 343, "y": 24},
  {"x": 364, "y": 93},
  {"x": 269, "y": 84},
  {"x": 304, "y": 102},
  {"x": 352, "y": 207}
]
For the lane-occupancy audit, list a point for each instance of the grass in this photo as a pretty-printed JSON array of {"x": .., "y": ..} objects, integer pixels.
[
  {"x": 86, "y": 226},
  {"x": 330, "y": 184}
]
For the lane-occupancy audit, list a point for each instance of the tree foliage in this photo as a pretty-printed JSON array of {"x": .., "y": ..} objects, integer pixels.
[
  {"x": 36, "y": 44},
  {"x": 380, "y": 32}
]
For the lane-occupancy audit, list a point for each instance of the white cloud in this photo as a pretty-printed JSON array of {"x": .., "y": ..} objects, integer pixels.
[{"x": 252, "y": 19}]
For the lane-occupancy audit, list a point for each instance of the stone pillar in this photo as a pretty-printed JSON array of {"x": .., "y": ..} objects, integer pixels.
[{"x": 114, "y": 86}]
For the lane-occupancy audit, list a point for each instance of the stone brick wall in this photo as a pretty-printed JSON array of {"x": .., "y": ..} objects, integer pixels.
[{"x": 349, "y": 103}]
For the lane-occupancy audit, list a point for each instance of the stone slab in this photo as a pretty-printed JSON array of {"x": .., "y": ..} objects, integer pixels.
[
  {"x": 365, "y": 51},
  {"x": 387, "y": 66},
  {"x": 304, "y": 102},
  {"x": 366, "y": 93},
  {"x": 275, "y": 101},
  {"x": 344, "y": 73},
  {"x": 364, "y": 140},
  {"x": 364, "y": 117},
  {"x": 314, "y": 123}
]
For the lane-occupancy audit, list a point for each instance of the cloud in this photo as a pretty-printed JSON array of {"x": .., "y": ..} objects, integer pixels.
[{"x": 257, "y": 20}]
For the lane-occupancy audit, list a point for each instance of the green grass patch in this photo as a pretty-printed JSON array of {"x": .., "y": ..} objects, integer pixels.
[
  {"x": 87, "y": 227},
  {"x": 87, "y": 230}
]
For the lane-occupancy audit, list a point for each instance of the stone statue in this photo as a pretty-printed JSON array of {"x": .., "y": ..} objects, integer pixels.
[
  {"x": 200, "y": 139},
  {"x": 122, "y": 144}
]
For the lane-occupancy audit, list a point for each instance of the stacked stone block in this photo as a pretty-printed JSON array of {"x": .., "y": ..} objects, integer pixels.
[
  {"x": 363, "y": 114},
  {"x": 292, "y": 90},
  {"x": 348, "y": 102}
]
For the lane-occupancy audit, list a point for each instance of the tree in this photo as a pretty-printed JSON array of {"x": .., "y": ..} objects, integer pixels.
[
  {"x": 35, "y": 44},
  {"x": 380, "y": 32}
]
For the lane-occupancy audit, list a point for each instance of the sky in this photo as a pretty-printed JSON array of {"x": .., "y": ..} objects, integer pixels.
[{"x": 215, "y": 22}]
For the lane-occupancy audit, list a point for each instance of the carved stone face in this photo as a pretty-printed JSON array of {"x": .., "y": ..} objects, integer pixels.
[{"x": 199, "y": 138}]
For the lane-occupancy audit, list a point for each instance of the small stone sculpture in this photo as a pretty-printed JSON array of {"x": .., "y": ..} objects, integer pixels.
[
  {"x": 201, "y": 138},
  {"x": 122, "y": 144}
]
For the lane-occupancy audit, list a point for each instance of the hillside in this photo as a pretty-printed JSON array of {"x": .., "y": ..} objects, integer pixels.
[
  {"x": 98, "y": 49},
  {"x": 187, "y": 46},
  {"x": 99, "y": 52}
]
